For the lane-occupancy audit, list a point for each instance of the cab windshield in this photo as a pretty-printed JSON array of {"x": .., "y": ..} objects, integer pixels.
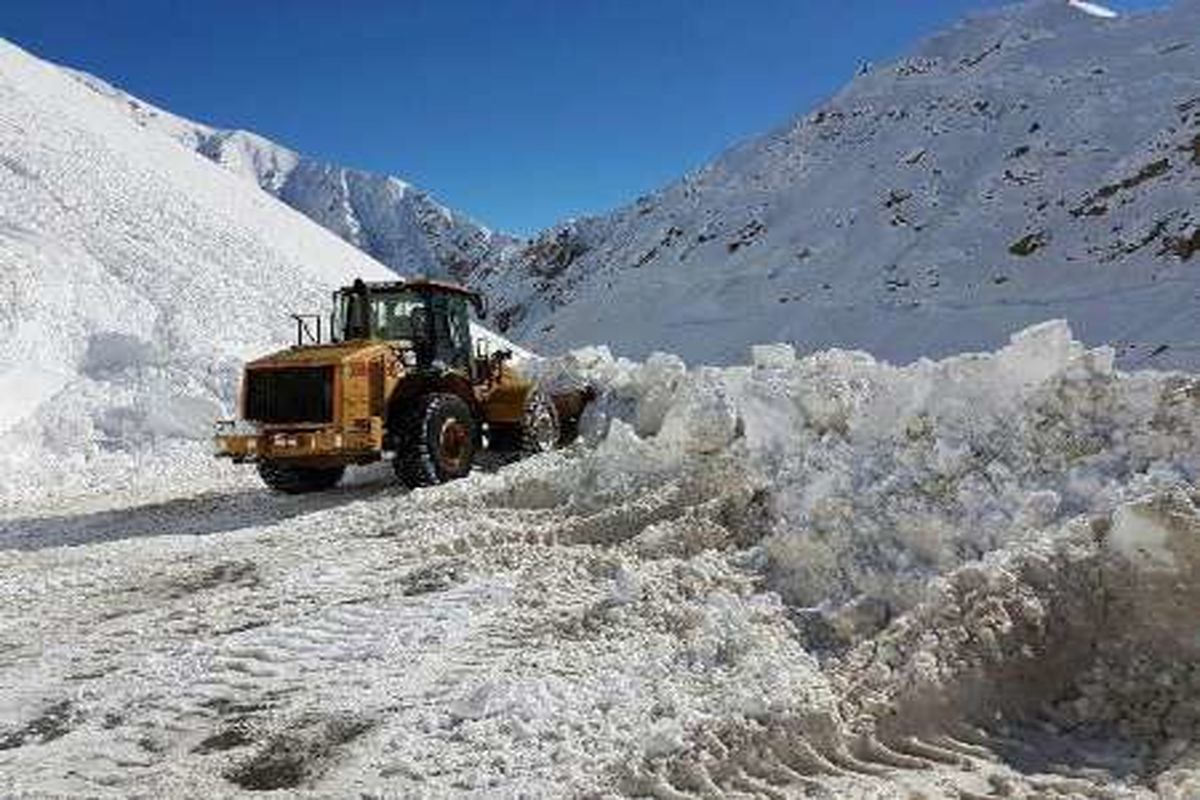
[
  {"x": 393, "y": 316},
  {"x": 435, "y": 326}
]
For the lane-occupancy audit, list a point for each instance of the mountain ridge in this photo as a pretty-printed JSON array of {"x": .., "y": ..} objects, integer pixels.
[
  {"x": 391, "y": 220},
  {"x": 937, "y": 203}
]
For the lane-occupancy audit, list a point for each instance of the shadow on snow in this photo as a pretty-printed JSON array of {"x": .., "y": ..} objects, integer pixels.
[{"x": 197, "y": 515}]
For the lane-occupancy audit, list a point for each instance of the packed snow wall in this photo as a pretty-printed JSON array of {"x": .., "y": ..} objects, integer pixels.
[
  {"x": 874, "y": 477},
  {"x": 992, "y": 554}
]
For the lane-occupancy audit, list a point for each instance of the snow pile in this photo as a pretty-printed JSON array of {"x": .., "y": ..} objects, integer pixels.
[
  {"x": 1061, "y": 665},
  {"x": 880, "y": 477},
  {"x": 1095, "y": 636}
]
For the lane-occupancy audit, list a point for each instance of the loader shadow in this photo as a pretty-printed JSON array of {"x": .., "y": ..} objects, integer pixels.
[{"x": 196, "y": 515}]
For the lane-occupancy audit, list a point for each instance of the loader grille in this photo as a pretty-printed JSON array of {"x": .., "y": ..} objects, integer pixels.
[{"x": 293, "y": 394}]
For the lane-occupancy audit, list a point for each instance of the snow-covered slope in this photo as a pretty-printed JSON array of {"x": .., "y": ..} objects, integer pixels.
[
  {"x": 135, "y": 276},
  {"x": 1031, "y": 163},
  {"x": 391, "y": 220}
]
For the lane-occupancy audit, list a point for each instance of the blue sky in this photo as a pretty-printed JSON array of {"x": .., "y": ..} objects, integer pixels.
[{"x": 519, "y": 112}]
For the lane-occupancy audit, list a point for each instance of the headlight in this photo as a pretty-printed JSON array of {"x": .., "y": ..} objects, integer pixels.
[{"x": 246, "y": 428}]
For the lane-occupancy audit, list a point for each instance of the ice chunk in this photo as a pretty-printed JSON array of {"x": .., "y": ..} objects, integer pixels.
[
  {"x": 1141, "y": 538},
  {"x": 654, "y": 385},
  {"x": 22, "y": 390},
  {"x": 773, "y": 356},
  {"x": 703, "y": 418}
]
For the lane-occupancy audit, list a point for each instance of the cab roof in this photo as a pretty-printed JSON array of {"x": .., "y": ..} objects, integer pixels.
[{"x": 420, "y": 283}]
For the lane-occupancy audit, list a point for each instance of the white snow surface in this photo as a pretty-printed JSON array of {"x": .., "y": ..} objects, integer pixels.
[
  {"x": 1032, "y": 162},
  {"x": 136, "y": 276},
  {"x": 805, "y": 574}
]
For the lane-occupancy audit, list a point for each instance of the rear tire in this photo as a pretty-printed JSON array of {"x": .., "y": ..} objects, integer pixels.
[
  {"x": 436, "y": 441},
  {"x": 298, "y": 480}
]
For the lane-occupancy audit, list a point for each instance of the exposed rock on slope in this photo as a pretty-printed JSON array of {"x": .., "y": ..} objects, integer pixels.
[{"x": 1029, "y": 163}]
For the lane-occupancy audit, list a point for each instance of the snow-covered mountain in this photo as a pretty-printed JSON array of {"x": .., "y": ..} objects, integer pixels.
[
  {"x": 391, "y": 220},
  {"x": 135, "y": 277},
  {"x": 1030, "y": 163}
]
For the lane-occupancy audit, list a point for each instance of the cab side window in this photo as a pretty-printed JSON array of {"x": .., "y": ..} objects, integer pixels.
[{"x": 451, "y": 328}]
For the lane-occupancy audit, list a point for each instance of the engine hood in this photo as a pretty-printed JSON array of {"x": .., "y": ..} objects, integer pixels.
[{"x": 319, "y": 355}]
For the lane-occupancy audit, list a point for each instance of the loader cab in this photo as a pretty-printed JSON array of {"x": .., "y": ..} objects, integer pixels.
[{"x": 428, "y": 319}]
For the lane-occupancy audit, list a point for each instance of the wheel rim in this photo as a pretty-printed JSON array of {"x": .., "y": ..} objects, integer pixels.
[
  {"x": 454, "y": 445},
  {"x": 543, "y": 426}
]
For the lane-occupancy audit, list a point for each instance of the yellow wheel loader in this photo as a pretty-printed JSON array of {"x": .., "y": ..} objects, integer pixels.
[{"x": 402, "y": 377}]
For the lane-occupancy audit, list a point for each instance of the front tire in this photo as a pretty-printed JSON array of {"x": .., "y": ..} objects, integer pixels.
[
  {"x": 437, "y": 441},
  {"x": 298, "y": 480}
]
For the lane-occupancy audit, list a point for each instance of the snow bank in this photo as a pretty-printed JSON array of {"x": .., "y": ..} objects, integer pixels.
[
  {"x": 881, "y": 476},
  {"x": 1062, "y": 657}
]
